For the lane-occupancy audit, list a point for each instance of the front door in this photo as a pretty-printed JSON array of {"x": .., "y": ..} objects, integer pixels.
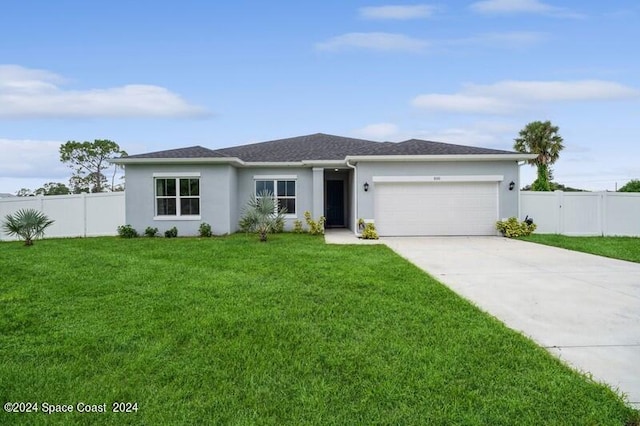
[{"x": 335, "y": 203}]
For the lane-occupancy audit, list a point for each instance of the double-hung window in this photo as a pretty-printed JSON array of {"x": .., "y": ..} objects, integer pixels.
[
  {"x": 177, "y": 196},
  {"x": 283, "y": 189}
]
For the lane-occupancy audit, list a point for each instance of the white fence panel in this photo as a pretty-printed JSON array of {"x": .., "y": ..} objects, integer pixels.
[
  {"x": 542, "y": 207},
  {"x": 68, "y": 213},
  {"x": 583, "y": 213},
  {"x": 622, "y": 213},
  {"x": 105, "y": 213},
  {"x": 82, "y": 215}
]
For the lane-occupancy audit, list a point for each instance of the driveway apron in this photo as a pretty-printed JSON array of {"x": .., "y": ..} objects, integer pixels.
[{"x": 585, "y": 309}]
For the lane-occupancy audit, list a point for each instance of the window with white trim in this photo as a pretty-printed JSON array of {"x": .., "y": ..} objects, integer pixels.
[
  {"x": 284, "y": 191},
  {"x": 177, "y": 196}
]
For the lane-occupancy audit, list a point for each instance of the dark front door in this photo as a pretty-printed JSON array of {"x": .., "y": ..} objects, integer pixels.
[{"x": 335, "y": 203}]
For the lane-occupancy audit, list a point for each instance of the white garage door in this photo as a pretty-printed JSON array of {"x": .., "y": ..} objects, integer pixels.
[{"x": 436, "y": 208}]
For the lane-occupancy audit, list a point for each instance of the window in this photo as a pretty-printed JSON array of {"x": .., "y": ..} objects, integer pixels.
[
  {"x": 177, "y": 196},
  {"x": 283, "y": 190}
]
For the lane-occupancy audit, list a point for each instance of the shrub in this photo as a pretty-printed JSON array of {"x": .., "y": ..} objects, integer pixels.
[
  {"x": 262, "y": 216},
  {"x": 27, "y": 224},
  {"x": 361, "y": 224},
  {"x": 204, "y": 230},
  {"x": 369, "y": 232},
  {"x": 171, "y": 233},
  {"x": 315, "y": 228},
  {"x": 297, "y": 227},
  {"x": 151, "y": 232},
  {"x": 279, "y": 225},
  {"x": 512, "y": 228},
  {"x": 127, "y": 231}
]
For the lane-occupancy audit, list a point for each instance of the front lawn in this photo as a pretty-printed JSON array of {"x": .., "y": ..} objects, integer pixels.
[
  {"x": 624, "y": 248},
  {"x": 233, "y": 331}
]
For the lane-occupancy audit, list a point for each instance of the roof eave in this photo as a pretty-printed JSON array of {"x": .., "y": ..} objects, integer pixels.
[
  {"x": 446, "y": 157},
  {"x": 205, "y": 160}
]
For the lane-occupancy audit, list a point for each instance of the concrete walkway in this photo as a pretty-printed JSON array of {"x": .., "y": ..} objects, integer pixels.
[
  {"x": 585, "y": 309},
  {"x": 345, "y": 236}
]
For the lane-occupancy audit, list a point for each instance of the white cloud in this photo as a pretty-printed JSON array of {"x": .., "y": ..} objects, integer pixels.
[
  {"x": 399, "y": 12},
  {"x": 462, "y": 103},
  {"x": 399, "y": 42},
  {"x": 509, "y": 96},
  {"x": 512, "y": 39},
  {"x": 386, "y": 42},
  {"x": 30, "y": 93},
  {"x": 26, "y": 158},
  {"x": 522, "y": 6},
  {"x": 582, "y": 90},
  {"x": 377, "y": 131}
]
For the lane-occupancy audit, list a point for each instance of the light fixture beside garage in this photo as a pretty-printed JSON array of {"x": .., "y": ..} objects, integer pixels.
[
  {"x": 512, "y": 185},
  {"x": 366, "y": 186}
]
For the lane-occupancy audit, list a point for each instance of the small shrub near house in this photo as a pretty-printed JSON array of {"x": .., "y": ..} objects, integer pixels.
[
  {"x": 297, "y": 227},
  {"x": 151, "y": 232},
  {"x": 315, "y": 227},
  {"x": 512, "y": 228},
  {"x": 127, "y": 231},
  {"x": 262, "y": 216},
  {"x": 369, "y": 232},
  {"x": 204, "y": 230},
  {"x": 171, "y": 233}
]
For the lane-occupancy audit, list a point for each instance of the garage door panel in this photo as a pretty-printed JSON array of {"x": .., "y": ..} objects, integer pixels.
[{"x": 443, "y": 208}]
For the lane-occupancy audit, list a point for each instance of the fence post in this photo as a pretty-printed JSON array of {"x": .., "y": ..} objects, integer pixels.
[
  {"x": 84, "y": 214},
  {"x": 602, "y": 212},
  {"x": 560, "y": 210}
]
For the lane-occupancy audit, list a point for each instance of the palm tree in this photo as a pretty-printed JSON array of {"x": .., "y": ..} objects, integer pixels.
[
  {"x": 540, "y": 138},
  {"x": 27, "y": 224},
  {"x": 262, "y": 215}
]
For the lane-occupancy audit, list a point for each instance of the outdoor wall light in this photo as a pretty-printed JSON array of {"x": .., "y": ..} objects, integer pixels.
[
  {"x": 366, "y": 186},
  {"x": 512, "y": 185}
]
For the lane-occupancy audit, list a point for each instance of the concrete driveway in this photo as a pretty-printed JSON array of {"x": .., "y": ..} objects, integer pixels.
[{"x": 583, "y": 308}]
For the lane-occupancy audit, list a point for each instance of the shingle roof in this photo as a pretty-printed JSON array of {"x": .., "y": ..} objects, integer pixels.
[
  {"x": 320, "y": 147},
  {"x": 422, "y": 147},
  {"x": 189, "y": 152}
]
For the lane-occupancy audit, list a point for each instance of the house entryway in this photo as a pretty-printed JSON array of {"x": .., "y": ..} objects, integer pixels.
[{"x": 336, "y": 197}]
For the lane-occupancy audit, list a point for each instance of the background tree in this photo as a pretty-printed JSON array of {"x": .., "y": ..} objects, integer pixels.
[
  {"x": 53, "y": 188},
  {"x": 541, "y": 138},
  {"x": 24, "y": 192},
  {"x": 632, "y": 186},
  {"x": 89, "y": 160}
]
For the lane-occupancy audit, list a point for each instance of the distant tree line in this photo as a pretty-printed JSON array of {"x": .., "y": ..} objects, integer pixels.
[{"x": 90, "y": 164}]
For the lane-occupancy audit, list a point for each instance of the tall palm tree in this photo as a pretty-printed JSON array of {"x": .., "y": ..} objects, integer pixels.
[{"x": 541, "y": 138}]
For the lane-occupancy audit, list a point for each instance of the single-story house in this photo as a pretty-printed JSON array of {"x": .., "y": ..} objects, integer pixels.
[{"x": 415, "y": 187}]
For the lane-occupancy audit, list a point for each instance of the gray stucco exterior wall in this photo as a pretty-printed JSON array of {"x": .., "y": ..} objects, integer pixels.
[
  {"x": 225, "y": 190},
  {"x": 216, "y": 207},
  {"x": 245, "y": 188}
]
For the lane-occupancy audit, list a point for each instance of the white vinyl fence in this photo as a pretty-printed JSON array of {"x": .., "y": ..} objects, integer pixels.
[
  {"x": 82, "y": 215},
  {"x": 583, "y": 213},
  {"x": 569, "y": 213}
]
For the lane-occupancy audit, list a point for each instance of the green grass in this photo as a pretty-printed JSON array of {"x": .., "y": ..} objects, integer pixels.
[
  {"x": 233, "y": 331},
  {"x": 624, "y": 248}
]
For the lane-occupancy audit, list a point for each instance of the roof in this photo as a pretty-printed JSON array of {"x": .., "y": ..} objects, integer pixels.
[
  {"x": 319, "y": 147},
  {"x": 189, "y": 152}
]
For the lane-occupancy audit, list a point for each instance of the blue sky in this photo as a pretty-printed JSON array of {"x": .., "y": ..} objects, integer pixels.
[{"x": 155, "y": 75}]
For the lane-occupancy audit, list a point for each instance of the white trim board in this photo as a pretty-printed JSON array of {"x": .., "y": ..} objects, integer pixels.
[
  {"x": 176, "y": 175},
  {"x": 275, "y": 177},
  {"x": 436, "y": 179}
]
